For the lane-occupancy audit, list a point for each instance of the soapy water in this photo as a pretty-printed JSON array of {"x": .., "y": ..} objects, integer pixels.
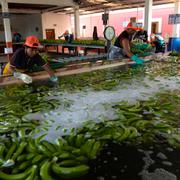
[
  {"x": 113, "y": 162},
  {"x": 77, "y": 108}
]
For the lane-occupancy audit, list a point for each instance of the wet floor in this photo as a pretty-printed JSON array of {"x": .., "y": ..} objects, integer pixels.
[{"x": 126, "y": 162}]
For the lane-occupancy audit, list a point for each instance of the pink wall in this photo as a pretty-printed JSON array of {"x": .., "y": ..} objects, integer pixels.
[
  {"x": 164, "y": 14},
  {"x": 117, "y": 18},
  {"x": 58, "y": 22},
  {"x": 90, "y": 22}
]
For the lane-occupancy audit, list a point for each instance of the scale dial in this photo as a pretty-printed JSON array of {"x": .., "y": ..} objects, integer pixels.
[{"x": 109, "y": 33}]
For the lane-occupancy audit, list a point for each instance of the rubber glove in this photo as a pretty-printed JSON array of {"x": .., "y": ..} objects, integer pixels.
[
  {"x": 24, "y": 77},
  {"x": 53, "y": 79},
  {"x": 137, "y": 60},
  {"x": 16, "y": 74}
]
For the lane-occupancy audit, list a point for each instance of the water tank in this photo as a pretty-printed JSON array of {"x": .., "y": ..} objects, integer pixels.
[{"x": 174, "y": 44}]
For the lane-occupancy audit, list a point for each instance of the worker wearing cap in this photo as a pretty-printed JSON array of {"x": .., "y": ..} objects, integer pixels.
[
  {"x": 122, "y": 45},
  {"x": 26, "y": 57}
]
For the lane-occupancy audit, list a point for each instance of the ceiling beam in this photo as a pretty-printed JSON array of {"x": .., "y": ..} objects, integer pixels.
[
  {"x": 51, "y": 9},
  {"x": 24, "y": 11},
  {"x": 45, "y": 2}
]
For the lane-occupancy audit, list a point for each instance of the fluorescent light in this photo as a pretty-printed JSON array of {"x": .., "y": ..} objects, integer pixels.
[{"x": 68, "y": 9}]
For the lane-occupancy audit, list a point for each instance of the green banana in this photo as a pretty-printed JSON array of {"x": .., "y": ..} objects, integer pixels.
[
  {"x": 19, "y": 150},
  {"x": 133, "y": 132},
  {"x": 79, "y": 140},
  {"x": 31, "y": 146},
  {"x": 44, "y": 150},
  {"x": 71, "y": 139},
  {"x": 11, "y": 151},
  {"x": 70, "y": 172},
  {"x": 65, "y": 155},
  {"x": 24, "y": 165},
  {"x": 19, "y": 176},
  {"x": 95, "y": 149},
  {"x": 76, "y": 152},
  {"x": 68, "y": 148},
  {"x": 44, "y": 170},
  {"x": 60, "y": 143},
  {"x": 86, "y": 148},
  {"x": 68, "y": 163},
  {"x": 125, "y": 134},
  {"x": 132, "y": 121},
  {"x": 141, "y": 124},
  {"x": 30, "y": 156},
  {"x": 51, "y": 147},
  {"x": 22, "y": 157},
  {"x": 33, "y": 173},
  {"x": 174, "y": 140},
  {"x": 15, "y": 170},
  {"x": 37, "y": 158},
  {"x": 2, "y": 150},
  {"x": 82, "y": 159},
  {"x": 22, "y": 133}
]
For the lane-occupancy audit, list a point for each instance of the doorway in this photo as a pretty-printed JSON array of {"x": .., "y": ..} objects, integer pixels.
[
  {"x": 50, "y": 34},
  {"x": 154, "y": 27}
]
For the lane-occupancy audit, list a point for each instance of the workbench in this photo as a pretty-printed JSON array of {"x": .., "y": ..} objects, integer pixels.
[{"x": 76, "y": 47}]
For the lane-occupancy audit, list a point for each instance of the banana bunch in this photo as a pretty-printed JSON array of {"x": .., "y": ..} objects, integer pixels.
[
  {"x": 26, "y": 158},
  {"x": 18, "y": 102},
  {"x": 125, "y": 133},
  {"x": 174, "y": 140},
  {"x": 114, "y": 130}
]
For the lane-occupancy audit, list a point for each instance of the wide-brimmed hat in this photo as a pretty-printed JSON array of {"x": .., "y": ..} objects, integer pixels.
[{"x": 33, "y": 42}]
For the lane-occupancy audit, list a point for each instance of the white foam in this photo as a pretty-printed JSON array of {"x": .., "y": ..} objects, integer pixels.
[
  {"x": 92, "y": 105},
  {"x": 158, "y": 174}
]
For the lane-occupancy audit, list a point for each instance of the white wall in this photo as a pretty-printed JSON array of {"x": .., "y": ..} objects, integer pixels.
[
  {"x": 58, "y": 22},
  {"x": 25, "y": 24}
]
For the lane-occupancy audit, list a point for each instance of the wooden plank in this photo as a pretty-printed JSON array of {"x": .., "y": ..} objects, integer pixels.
[
  {"x": 71, "y": 69},
  {"x": 9, "y": 80}
]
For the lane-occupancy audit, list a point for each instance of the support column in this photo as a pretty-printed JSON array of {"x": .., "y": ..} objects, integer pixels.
[
  {"x": 148, "y": 16},
  {"x": 76, "y": 22},
  {"x": 176, "y": 27},
  {"x": 7, "y": 28}
]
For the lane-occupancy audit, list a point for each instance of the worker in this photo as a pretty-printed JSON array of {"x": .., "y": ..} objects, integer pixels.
[
  {"x": 132, "y": 22},
  {"x": 141, "y": 35},
  {"x": 17, "y": 37},
  {"x": 158, "y": 42},
  {"x": 122, "y": 46},
  {"x": 68, "y": 38},
  {"x": 95, "y": 34},
  {"x": 26, "y": 57}
]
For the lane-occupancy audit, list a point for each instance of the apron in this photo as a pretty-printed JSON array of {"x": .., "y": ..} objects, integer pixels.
[
  {"x": 6, "y": 69},
  {"x": 115, "y": 52}
]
